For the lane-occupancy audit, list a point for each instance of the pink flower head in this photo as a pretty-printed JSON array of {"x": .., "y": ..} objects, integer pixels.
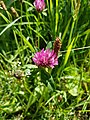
[
  {"x": 39, "y": 5},
  {"x": 46, "y": 58}
]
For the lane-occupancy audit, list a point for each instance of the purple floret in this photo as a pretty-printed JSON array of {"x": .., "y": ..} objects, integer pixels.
[{"x": 46, "y": 58}]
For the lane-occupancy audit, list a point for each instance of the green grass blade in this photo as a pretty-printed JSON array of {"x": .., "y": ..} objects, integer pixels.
[
  {"x": 66, "y": 29},
  {"x": 10, "y": 25},
  {"x": 25, "y": 40},
  {"x": 68, "y": 52},
  {"x": 71, "y": 33},
  {"x": 51, "y": 6},
  {"x": 4, "y": 17},
  {"x": 57, "y": 16}
]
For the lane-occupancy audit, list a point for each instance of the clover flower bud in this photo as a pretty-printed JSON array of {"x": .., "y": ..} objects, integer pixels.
[
  {"x": 39, "y": 5},
  {"x": 57, "y": 45}
]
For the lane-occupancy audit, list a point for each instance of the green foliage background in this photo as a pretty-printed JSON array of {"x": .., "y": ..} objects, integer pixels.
[{"x": 31, "y": 93}]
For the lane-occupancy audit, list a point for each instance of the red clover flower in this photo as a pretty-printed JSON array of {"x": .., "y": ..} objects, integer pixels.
[
  {"x": 39, "y": 5},
  {"x": 48, "y": 58}
]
